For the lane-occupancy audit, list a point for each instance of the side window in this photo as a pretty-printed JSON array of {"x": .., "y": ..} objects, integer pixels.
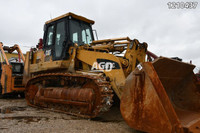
[
  {"x": 49, "y": 40},
  {"x": 84, "y": 39},
  {"x": 80, "y": 32},
  {"x": 86, "y": 36},
  {"x": 75, "y": 32},
  {"x": 75, "y": 38},
  {"x": 89, "y": 37},
  {"x": 60, "y": 38}
]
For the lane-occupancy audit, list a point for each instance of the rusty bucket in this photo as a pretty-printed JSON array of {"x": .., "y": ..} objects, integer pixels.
[{"x": 162, "y": 96}]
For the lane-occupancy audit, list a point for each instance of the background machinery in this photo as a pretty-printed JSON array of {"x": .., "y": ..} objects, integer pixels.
[
  {"x": 72, "y": 73},
  {"x": 11, "y": 71}
]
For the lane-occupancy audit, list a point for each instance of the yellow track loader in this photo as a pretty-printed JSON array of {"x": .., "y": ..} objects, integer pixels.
[
  {"x": 11, "y": 71},
  {"x": 72, "y": 73}
]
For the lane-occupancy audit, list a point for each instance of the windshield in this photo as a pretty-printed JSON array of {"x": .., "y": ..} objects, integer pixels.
[
  {"x": 80, "y": 32},
  {"x": 17, "y": 68}
]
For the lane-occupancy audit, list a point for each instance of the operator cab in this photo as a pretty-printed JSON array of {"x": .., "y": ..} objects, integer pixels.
[
  {"x": 17, "y": 67},
  {"x": 62, "y": 32}
]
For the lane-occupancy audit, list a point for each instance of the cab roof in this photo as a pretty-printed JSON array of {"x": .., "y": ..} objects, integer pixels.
[{"x": 73, "y": 16}]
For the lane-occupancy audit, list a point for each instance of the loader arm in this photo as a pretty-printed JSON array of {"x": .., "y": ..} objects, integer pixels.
[
  {"x": 123, "y": 66},
  {"x": 17, "y": 48},
  {"x": 11, "y": 50},
  {"x": 116, "y": 76},
  {"x": 3, "y": 53}
]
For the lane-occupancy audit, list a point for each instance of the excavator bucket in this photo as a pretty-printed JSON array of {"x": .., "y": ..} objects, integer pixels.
[{"x": 162, "y": 96}]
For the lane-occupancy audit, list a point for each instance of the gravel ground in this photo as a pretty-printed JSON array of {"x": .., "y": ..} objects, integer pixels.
[{"x": 17, "y": 117}]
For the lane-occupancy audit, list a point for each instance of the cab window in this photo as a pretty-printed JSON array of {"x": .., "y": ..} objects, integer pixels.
[
  {"x": 80, "y": 32},
  {"x": 49, "y": 40},
  {"x": 59, "y": 38}
]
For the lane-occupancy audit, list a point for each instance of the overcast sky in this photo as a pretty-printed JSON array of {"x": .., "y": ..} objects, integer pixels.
[{"x": 168, "y": 32}]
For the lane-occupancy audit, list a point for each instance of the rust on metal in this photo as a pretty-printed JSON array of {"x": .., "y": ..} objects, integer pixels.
[
  {"x": 163, "y": 94},
  {"x": 75, "y": 94}
]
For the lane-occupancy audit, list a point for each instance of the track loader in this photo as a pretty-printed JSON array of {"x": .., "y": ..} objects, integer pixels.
[
  {"x": 11, "y": 71},
  {"x": 71, "y": 72}
]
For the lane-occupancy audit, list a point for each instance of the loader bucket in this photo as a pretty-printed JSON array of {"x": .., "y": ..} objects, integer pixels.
[{"x": 162, "y": 96}]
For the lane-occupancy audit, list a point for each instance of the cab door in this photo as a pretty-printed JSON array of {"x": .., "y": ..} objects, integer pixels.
[
  {"x": 55, "y": 40},
  {"x": 60, "y": 41},
  {"x": 49, "y": 42}
]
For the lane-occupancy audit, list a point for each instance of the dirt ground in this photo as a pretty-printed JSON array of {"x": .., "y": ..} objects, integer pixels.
[{"x": 17, "y": 117}]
